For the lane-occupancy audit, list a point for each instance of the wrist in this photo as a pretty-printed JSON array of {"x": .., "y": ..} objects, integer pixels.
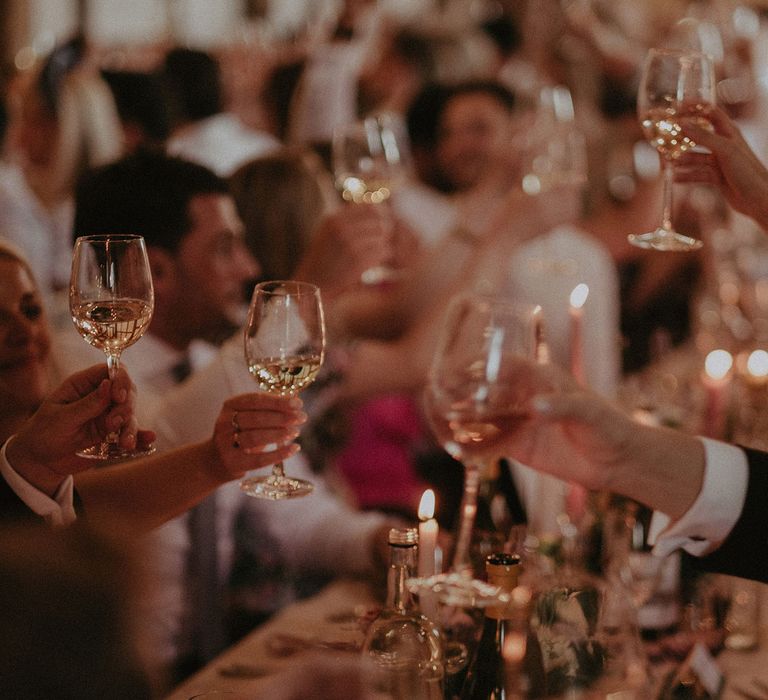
[{"x": 36, "y": 473}]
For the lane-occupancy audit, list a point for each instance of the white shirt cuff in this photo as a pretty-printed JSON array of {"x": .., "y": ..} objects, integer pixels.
[
  {"x": 716, "y": 509},
  {"x": 58, "y": 511}
]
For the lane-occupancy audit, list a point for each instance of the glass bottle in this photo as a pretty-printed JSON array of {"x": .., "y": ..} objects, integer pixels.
[
  {"x": 503, "y": 625},
  {"x": 404, "y": 646}
]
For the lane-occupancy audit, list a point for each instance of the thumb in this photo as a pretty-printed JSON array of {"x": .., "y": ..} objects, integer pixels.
[
  {"x": 559, "y": 407},
  {"x": 88, "y": 407}
]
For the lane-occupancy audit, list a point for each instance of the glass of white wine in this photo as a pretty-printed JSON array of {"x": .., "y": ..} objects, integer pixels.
[
  {"x": 675, "y": 86},
  {"x": 111, "y": 299},
  {"x": 472, "y": 404},
  {"x": 370, "y": 160},
  {"x": 284, "y": 349}
]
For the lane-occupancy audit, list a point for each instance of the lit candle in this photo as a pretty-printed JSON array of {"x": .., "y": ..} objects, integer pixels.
[
  {"x": 578, "y": 299},
  {"x": 757, "y": 369},
  {"x": 428, "y": 530},
  {"x": 716, "y": 381}
]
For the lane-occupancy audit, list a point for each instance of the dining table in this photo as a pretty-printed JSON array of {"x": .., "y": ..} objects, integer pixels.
[{"x": 333, "y": 622}]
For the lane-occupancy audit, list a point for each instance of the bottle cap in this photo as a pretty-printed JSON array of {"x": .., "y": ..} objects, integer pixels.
[
  {"x": 502, "y": 566},
  {"x": 404, "y": 537}
]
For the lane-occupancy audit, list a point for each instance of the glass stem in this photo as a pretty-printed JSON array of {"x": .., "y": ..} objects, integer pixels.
[
  {"x": 277, "y": 470},
  {"x": 461, "y": 561},
  {"x": 113, "y": 364},
  {"x": 669, "y": 178}
]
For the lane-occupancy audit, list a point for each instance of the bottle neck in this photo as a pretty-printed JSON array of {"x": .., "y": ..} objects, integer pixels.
[
  {"x": 401, "y": 567},
  {"x": 506, "y": 582}
]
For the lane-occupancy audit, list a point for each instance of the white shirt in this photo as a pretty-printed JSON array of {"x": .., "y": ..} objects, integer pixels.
[
  {"x": 222, "y": 143},
  {"x": 58, "y": 511},
  {"x": 715, "y": 511},
  {"x": 44, "y": 235}
]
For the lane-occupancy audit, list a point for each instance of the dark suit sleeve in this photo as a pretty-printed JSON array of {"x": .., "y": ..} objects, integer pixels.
[
  {"x": 745, "y": 551},
  {"x": 14, "y": 510}
]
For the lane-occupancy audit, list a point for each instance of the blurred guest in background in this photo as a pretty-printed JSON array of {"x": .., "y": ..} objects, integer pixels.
[
  {"x": 64, "y": 120},
  {"x": 201, "y": 129}
]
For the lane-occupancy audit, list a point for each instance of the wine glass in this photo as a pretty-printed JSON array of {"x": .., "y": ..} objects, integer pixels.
[
  {"x": 284, "y": 349},
  {"x": 675, "y": 85},
  {"x": 471, "y": 404},
  {"x": 370, "y": 160},
  {"x": 111, "y": 300}
]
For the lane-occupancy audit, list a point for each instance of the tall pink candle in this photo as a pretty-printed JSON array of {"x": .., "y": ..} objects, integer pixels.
[
  {"x": 428, "y": 531},
  {"x": 576, "y": 312},
  {"x": 716, "y": 380}
]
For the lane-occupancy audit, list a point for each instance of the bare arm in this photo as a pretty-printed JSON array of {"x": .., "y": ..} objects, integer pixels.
[{"x": 147, "y": 492}]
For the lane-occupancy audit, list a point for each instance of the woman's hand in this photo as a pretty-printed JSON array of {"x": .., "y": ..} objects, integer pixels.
[
  {"x": 731, "y": 166},
  {"x": 254, "y": 431},
  {"x": 82, "y": 412}
]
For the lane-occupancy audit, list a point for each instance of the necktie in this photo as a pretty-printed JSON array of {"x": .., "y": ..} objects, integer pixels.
[{"x": 205, "y": 591}]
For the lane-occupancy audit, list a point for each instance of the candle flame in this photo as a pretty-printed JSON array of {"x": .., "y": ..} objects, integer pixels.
[
  {"x": 579, "y": 295},
  {"x": 514, "y": 647},
  {"x": 757, "y": 363},
  {"x": 718, "y": 363},
  {"x": 427, "y": 505}
]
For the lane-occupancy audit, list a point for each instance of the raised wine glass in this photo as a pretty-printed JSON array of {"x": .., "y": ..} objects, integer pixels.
[
  {"x": 675, "y": 85},
  {"x": 471, "y": 404},
  {"x": 370, "y": 159},
  {"x": 111, "y": 301},
  {"x": 284, "y": 348}
]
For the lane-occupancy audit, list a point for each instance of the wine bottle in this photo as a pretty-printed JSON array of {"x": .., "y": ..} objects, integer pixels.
[
  {"x": 486, "y": 679},
  {"x": 405, "y": 646}
]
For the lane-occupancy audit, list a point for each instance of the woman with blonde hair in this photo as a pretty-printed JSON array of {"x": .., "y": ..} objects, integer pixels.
[{"x": 63, "y": 121}]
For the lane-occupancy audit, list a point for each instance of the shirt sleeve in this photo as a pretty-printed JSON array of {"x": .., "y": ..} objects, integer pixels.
[
  {"x": 714, "y": 513},
  {"x": 58, "y": 511}
]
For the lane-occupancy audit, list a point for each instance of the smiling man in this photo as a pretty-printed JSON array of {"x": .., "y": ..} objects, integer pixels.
[{"x": 199, "y": 267}]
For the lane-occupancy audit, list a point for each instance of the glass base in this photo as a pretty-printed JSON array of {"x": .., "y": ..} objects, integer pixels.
[
  {"x": 110, "y": 452},
  {"x": 662, "y": 239},
  {"x": 380, "y": 274},
  {"x": 276, "y": 488},
  {"x": 459, "y": 590}
]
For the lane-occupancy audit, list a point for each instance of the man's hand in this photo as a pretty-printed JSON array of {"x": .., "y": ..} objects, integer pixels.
[{"x": 82, "y": 412}]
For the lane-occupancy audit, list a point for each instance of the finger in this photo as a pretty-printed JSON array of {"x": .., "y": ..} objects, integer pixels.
[
  {"x": 259, "y": 439},
  {"x": 237, "y": 461},
  {"x": 262, "y": 420},
  {"x": 145, "y": 438},
  {"x": 79, "y": 384},
  {"x": 123, "y": 388},
  {"x": 263, "y": 401},
  {"x": 559, "y": 407},
  {"x": 80, "y": 411}
]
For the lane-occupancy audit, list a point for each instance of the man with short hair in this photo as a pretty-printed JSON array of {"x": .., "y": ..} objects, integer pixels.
[
  {"x": 202, "y": 130},
  {"x": 200, "y": 265}
]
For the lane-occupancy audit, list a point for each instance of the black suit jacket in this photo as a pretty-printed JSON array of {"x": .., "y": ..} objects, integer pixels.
[
  {"x": 745, "y": 551},
  {"x": 14, "y": 510}
]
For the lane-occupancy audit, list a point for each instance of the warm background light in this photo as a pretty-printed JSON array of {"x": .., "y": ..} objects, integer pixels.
[
  {"x": 757, "y": 363},
  {"x": 718, "y": 363}
]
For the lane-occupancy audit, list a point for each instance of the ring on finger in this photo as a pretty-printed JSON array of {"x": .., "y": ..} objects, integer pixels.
[{"x": 235, "y": 431}]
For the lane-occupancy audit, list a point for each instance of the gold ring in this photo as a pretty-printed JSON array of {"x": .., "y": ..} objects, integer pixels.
[{"x": 235, "y": 431}]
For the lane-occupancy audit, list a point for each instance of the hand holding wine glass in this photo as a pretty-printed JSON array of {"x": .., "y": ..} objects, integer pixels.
[
  {"x": 675, "y": 85},
  {"x": 470, "y": 401},
  {"x": 370, "y": 160},
  {"x": 284, "y": 348},
  {"x": 111, "y": 300}
]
